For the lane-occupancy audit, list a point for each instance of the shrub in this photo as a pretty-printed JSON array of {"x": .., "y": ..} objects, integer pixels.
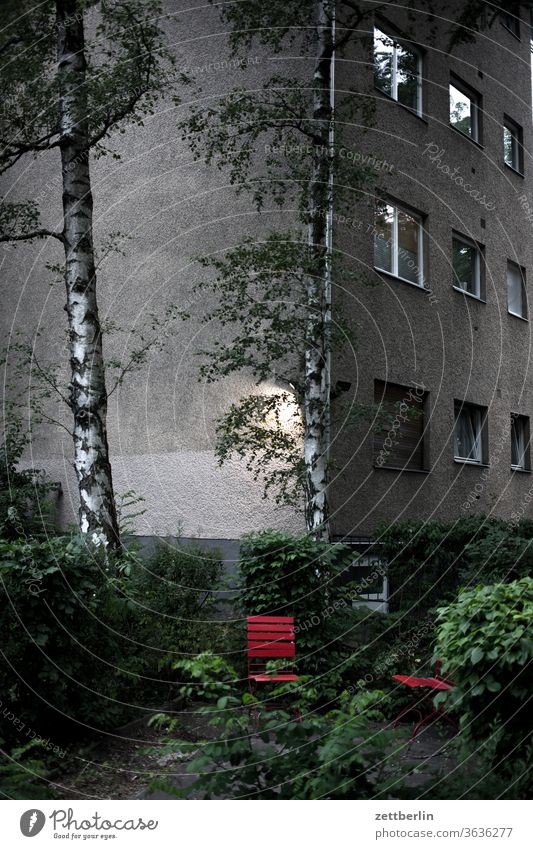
[
  {"x": 486, "y": 645},
  {"x": 478, "y": 775},
  {"x": 175, "y": 592},
  {"x": 25, "y": 506},
  {"x": 60, "y": 632},
  {"x": 301, "y": 577},
  {"x": 23, "y": 772},
  {"x": 429, "y": 561},
  {"x": 340, "y": 754}
]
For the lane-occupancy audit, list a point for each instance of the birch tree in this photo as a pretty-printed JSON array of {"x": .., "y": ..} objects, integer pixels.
[
  {"x": 275, "y": 293},
  {"x": 68, "y": 93}
]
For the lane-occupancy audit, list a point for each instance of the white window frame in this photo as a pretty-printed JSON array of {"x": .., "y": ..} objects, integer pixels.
[
  {"x": 394, "y": 78},
  {"x": 478, "y": 439},
  {"x": 394, "y": 245},
  {"x": 474, "y": 99},
  {"x": 522, "y": 315},
  {"x": 456, "y": 237},
  {"x": 523, "y": 422}
]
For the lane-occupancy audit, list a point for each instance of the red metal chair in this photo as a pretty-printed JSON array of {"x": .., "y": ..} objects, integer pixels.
[
  {"x": 270, "y": 637},
  {"x": 430, "y": 686}
]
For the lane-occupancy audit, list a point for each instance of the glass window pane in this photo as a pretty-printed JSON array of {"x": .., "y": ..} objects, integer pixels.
[
  {"x": 461, "y": 112},
  {"x": 465, "y": 267},
  {"x": 515, "y": 290},
  {"x": 509, "y": 147},
  {"x": 383, "y": 237},
  {"x": 383, "y": 58},
  {"x": 467, "y": 434},
  {"x": 518, "y": 442},
  {"x": 408, "y": 248},
  {"x": 407, "y": 77}
]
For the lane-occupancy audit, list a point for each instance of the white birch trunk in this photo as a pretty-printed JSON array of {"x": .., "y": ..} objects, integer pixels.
[
  {"x": 87, "y": 391},
  {"x": 316, "y": 379}
]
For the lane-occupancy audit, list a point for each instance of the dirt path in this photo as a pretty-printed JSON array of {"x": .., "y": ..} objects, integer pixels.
[{"x": 121, "y": 767}]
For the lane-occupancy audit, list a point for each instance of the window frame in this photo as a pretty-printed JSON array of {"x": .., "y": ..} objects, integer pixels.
[
  {"x": 419, "y": 218},
  {"x": 475, "y": 109},
  {"x": 406, "y": 394},
  {"x": 526, "y": 455},
  {"x": 517, "y": 135},
  {"x": 481, "y": 439},
  {"x": 407, "y": 46},
  {"x": 471, "y": 243},
  {"x": 522, "y": 274}
]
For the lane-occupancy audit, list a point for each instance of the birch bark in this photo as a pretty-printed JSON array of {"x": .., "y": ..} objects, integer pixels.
[
  {"x": 316, "y": 405},
  {"x": 87, "y": 389}
]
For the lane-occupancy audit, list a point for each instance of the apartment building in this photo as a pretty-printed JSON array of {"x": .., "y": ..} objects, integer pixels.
[{"x": 444, "y": 244}]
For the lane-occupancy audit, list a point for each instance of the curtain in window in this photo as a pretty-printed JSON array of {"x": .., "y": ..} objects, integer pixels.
[
  {"x": 467, "y": 434},
  {"x": 514, "y": 289},
  {"x": 518, "y": 443}
]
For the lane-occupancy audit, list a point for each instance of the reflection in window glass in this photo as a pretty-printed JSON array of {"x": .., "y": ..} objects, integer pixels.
[
  {"x": 463, "y": 113},
  {"x": 408, "y": 251},
  {"x": 397, "y": 70},
  {"x": 383, "y": 237},
  {"x": 383, "y": 61},
  {"x": 466, "y": 267},
  {"x": 511, "y": 147},
  {"x": 407, "y": 77},
  {"x": 398, "y": 243}
]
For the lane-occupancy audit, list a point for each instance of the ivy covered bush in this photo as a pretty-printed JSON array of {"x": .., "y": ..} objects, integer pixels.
[
  {"x": 60, "y": 631},
  {"x": 299, "y": 576},
  {"x": 486, "y": 644},
  {"x": 174, "y": 593},
  {"x": 85, "y": 640},
  {"x": 337, "y": 644},
  {"x": 429, "y": 561}
]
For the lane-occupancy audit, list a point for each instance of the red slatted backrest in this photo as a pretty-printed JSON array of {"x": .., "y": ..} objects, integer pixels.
[{"x": 270, "y": 636}]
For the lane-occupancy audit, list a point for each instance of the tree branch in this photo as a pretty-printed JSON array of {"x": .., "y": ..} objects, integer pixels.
[
  {"x": 41, "y": 233},
  {"x": 47, "y": 379}
]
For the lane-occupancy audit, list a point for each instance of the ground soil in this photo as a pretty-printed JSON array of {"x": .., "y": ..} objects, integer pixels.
[{"x": 120, "y": 767}]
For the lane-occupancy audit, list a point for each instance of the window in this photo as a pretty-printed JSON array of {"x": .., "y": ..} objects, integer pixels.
[
  {"x": 397, "y": 71},
  {"x": 516, "y": 290},
  {"x": 464, "y": 110},
  {"x": 399, "y": 437},
  {"x": 512, "y": 145},
  {"x": 398, "y": 243},
  {"x": 468, "y": 432},
  {"x": 520, "y": 442},
  {"x": 466, "y": 261},
  {"x": 510, "y": 22}
]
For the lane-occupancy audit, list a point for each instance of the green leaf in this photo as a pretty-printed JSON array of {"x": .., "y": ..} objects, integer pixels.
[{"x": 476, "y": 655}]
